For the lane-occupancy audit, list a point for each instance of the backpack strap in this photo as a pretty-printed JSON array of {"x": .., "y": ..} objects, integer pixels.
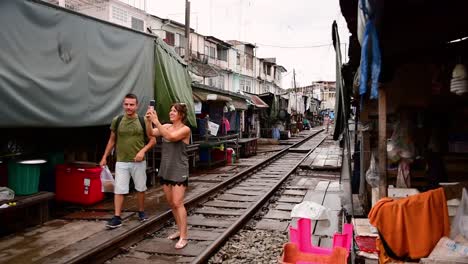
[
  {"x": 117, "y": 123},
  {"x": 142, "y": 123}
]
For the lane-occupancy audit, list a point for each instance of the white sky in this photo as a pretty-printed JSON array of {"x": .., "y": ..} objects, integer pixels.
[{"x": 268, "y": 23}]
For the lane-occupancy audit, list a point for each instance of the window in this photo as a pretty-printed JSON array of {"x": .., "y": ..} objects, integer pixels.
[
  {"x": 238, "y": 58},
  {"x": 212, "y": 82},
  {"x": 137, "y": 24},
  {"x": 222, "y": 53},
  {"x": 182, "y": 41},
  {"x": 249, "y": 62},
  {"x": 210, "y": 52},
  {"x": 268, "y": 70},
  {"x": 169, "y": 38},
  {"x": 221, "y": 82},
  {"x": 119, "y": 14},
  {"x": 246, "y": 85}
]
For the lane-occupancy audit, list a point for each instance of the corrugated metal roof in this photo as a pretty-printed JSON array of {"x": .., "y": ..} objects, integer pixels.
[{"x": 257, "y": 101}]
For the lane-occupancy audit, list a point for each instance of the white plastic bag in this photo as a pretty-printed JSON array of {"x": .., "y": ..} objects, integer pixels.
[
  {"x": 107, "y": 180},
  {"x": 372, "y": 174},
  {"x": 6, "y": 194},
  {"x": 310, "y": 210},
  {"x": 460, "y": 222}
]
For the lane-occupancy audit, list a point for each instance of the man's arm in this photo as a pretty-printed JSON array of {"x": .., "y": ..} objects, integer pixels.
[
  {"x": 141, "y": 154},
  {"x": 109, "y": 147}
]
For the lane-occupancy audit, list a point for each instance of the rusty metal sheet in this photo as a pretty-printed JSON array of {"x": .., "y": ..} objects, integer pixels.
[
  {"x": 289, "y": 199},
  {"x": 215, "y": 211},
  {"x": 225, "y": 204},
  {"x": 237, "y": 198},
  {"x": 166, "y": 247},
  {"x": 268, "y": 224},
  {"x": 199, "y": 220},
  {"x": 278, "y": 214}
]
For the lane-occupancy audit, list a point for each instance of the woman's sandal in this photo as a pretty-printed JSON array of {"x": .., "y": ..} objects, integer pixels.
[
  {"x": 174, "y": 235},
  {"x": 181, "y": 243}
]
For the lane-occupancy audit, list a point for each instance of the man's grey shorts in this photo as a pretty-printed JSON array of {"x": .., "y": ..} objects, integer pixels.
[{"x": 125, "y": 170}]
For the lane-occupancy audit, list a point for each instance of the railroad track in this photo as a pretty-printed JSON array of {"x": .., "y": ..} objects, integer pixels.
[{"x": 213, "y": 216}]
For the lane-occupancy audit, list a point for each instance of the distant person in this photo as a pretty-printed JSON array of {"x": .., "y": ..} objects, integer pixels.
[
  {"x": 174, "y": 169},
  {"x": 326, "y": 121},
  {"x": 128, "y": 136},
  {"x": 306, "y": 123}
]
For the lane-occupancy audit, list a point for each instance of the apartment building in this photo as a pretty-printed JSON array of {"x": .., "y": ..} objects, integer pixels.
[
  {"x": 113, "y": 11},
  {"x": 228, "y": 65}
]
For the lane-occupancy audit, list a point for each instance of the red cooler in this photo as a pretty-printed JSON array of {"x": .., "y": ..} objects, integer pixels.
[{"x": 78, "y": 184}]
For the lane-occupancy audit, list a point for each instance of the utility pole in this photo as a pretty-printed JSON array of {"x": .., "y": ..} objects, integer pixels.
[
  {"x": 187, "y": 30},
  {"x": 295, "y": 92}
]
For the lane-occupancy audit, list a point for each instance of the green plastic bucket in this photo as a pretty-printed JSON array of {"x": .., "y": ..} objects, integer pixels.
[{"x": 23, "y": 176}]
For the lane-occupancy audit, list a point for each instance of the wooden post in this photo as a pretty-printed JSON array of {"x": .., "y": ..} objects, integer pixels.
[{"x": 382, "y": 142}]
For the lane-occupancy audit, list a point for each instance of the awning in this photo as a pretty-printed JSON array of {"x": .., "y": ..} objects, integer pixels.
[
  {"x": 239, "y": 104},
  {"x": 207, "y": 97},
  {"x": 256, "y": 101}
]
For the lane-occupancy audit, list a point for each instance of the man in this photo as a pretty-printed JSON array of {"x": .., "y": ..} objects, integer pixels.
[{"x": 128, "y": 137}]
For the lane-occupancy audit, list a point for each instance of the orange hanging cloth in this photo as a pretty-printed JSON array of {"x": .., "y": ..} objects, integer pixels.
[{"x": 411, "y": 227}]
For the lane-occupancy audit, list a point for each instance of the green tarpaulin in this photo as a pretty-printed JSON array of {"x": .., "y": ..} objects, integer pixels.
[{"x": 172, "y": 83}]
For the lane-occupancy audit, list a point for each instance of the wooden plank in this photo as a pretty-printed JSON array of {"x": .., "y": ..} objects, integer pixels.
[
  {"x": 295, "y": 192},
  {"x": 199, "y": 220},
  {"x": 289, "y": 199},
  {"x": 237, "y": 198},
  {"x": 268, "y": 224},
  {"x": 166, "y": 247},
  {"x": 96, "y": 215},
  {"x": 215, "y": 211},
  {"x": 225, "y": 204},
  {"x": 242, "y": 192},
  {"x": 382, "y": 143},
  {"x": 201, "y": 234},
  {"x": 284, "y": 206}
]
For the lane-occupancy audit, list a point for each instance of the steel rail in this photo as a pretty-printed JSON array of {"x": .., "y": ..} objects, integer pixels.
[
  {"x": 247, "y": 216},
  {"x": 116, "y": 245}
]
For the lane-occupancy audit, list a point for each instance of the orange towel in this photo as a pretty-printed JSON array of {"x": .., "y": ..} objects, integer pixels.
[{"x": 411, "y": 227}]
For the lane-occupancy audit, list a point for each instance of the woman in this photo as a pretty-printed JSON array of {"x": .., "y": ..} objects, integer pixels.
[{"x": 174, "y": 169}]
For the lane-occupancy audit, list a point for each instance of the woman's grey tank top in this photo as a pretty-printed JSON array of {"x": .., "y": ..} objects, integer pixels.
[{"x": 174, "y": 161}]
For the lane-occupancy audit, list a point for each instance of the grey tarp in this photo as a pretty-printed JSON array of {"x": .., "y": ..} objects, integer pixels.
[
  {"x": 59, "y": 69},
  {"x": 172, "y": 83}
]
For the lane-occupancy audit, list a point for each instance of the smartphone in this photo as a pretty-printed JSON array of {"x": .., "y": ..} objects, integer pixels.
[{"x": 152, "y": 104}]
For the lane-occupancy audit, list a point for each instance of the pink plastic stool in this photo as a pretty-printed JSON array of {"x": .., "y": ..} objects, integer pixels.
[{"x": 302, "y": 237}]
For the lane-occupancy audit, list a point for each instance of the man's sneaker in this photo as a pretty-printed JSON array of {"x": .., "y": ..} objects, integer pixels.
[
  {"x": 115, "y": 222},
  {"x": 142, "y": 216}
]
